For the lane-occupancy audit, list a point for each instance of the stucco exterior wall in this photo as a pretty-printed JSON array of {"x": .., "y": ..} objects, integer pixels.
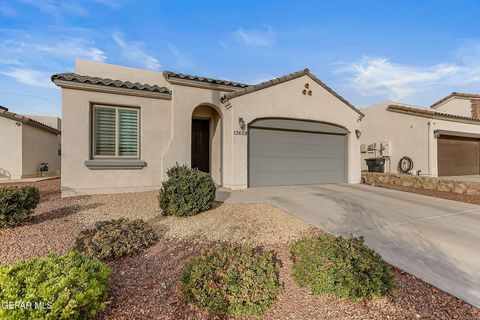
[
  {"x": 10, "y": 149},
  {"x": 53, "y": 122},
  {"x": 39, "y": 146},
  {"x": 115, "y": 72},
  {"x": 155, "y": 134},
  {"x": 456, "y": 105},
  {"x": 286, "y": 100},
  {"x": 408, "y": 135}
]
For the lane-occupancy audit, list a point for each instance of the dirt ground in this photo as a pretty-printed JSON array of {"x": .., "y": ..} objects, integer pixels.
[{"x": 144, "y": 286}]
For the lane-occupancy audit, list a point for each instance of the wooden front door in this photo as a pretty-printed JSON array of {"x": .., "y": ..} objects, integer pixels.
[
  {"x": 458, "y": 156},
  {"x": 201, "y": 144}
]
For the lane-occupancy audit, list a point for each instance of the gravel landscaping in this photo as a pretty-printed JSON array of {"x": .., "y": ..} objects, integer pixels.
[{"x": 144, "y": 286}]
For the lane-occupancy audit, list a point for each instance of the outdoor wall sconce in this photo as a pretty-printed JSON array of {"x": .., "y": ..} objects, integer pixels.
[
  {"x": 241, "y": 123},
  {"x": 436, "y": 134},
  {"x": 358, "y": 133}
]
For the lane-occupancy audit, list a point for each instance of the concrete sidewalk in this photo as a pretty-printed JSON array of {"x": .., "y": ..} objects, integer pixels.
[
  {"x": 436, "y": 240},
  {"x": 36, "y": 179}
]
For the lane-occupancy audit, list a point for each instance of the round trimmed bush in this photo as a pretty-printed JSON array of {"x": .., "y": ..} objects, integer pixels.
[
  {"x": 232, "y": 281},
  {"x": 115, "y": 238},
  {"x": 71, "y": 286},
  {"x": 343, "y": 267},
  {"x": 17, "y": 204},
  {"x": 186, "y": 192}
]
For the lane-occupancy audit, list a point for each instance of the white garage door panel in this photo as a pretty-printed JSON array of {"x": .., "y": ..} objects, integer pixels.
[{"x": 289, "y": 158}]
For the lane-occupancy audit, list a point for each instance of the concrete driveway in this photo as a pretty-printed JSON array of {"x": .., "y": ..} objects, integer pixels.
[{"x": 434, "y": 239}]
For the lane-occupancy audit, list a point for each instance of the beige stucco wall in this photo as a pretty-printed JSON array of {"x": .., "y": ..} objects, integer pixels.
[
  {"x": 53, "y": 122},
  {"x": 39, "y": 146},
  {"x": 408, "y": 135},
  {"x": 287, "y": 101},
  {"x": 456, "y": 105},
  {"x": 105, "y": 70},
  {"x": 155, "y": 131},
  {"x": 10, "y": 149}
]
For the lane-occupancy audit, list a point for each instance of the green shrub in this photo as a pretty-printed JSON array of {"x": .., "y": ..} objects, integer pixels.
[
  {"x": 343, "y": 267},
  {"x": 186, "y": 192},
  {"x": 232, "y": 281},
  {"x": 17, "y": 204},
  {"x": 115, "y": 238},
  {"x": 72, "y": 286}
]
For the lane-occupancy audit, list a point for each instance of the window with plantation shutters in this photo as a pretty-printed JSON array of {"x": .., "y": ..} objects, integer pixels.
[{"x": 116, "y": 132}]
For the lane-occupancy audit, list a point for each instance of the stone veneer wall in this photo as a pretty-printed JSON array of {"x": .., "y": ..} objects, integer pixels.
[{"x": 419, "y": 182}]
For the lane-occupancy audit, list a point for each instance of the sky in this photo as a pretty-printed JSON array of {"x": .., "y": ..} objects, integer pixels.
[{"x": 414, "y": 52}]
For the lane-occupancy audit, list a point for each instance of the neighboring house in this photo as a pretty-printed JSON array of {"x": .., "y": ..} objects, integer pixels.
[
  {"x": 442, "y": 141},
  {"x": 26, "y": 142},
  {"x": 122, "y": 135}
]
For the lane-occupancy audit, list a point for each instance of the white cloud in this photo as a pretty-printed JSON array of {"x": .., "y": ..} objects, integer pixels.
[
  {"x": 182, "y": 59},
  {"x": 21, "y": 52},
  {"x": 58, "y": 8},
  {"x": 30, "y": 77},
  {"x": 134, "y": 52},
  {"x": 380, "y": 78},
  {"x": 73, "y": 48},
  {"x": 112, "y": 4},
  {"x": 254, "y": 38}
]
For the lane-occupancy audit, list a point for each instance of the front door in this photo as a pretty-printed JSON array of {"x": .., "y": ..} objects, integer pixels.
[{"x": 201, "y": 144}]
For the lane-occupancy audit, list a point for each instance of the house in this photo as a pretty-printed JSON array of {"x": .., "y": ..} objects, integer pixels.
[
  {"x": 26, "y": 142},
  {"x": 124, "y": 127},
  {"x": 443, "y": 140}
]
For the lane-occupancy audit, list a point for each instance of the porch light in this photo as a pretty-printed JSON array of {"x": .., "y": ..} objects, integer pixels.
[
  {"x": 241, "y": 123},
  {"x": 358, "y": 133}
]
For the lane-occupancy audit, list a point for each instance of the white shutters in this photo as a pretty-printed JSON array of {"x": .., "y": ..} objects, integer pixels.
[
  {"x": 104, "y": 131},
  {"x": 128, "y": 132},
  {"x": 115, "y": 132}
]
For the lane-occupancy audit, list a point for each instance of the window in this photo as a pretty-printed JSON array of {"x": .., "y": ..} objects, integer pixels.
[{"x": 115, "y": 132}]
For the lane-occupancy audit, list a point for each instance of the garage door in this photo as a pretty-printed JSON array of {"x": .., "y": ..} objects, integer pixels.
[
  {"x": 458, "y": 156},
  {"x": 292, "y": 152}
]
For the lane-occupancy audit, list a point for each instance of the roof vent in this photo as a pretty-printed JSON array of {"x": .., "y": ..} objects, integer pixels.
[{"x": 3, "y": 108}]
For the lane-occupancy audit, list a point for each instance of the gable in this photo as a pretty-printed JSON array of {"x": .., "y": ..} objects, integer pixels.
[{"x": 284, "y": 79}]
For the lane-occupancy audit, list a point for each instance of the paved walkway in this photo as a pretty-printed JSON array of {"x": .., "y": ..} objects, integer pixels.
[
  {"x": 36, "y": 179},
  {"x": 435, "y": 239}
]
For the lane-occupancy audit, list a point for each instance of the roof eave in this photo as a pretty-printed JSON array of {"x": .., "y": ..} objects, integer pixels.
[
  {"x": 19, "y": 118},
  {"x": 107, "y": 89}
]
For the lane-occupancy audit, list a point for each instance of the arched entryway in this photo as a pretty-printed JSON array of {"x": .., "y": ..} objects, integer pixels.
[{"x": 207, "y": 141}]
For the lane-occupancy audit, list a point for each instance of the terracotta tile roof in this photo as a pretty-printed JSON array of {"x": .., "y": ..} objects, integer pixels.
[
  {"x": 455, "y": 94},
  {"x": 109, "y": 82},
  {"x": 428, "y": 112},
  {"x": 23, "y": 119},
  {"x": 170, "y": 74},
  {"x": 283, "y": 79}
]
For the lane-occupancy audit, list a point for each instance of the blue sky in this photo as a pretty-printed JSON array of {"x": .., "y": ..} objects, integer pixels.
[{"x": 369, "y": 51}]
